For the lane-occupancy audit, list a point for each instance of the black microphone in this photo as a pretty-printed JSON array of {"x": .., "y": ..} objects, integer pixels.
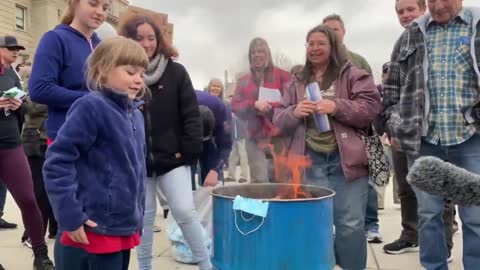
[{"x": 437, "y": 177}]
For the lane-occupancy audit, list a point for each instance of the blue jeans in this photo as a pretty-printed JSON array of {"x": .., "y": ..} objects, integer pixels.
[
  {"x": 69, "y": 258},
  {"x": 431, "y": 228},
  {"x": 112, "y": 261},
  {"x": 349, "y": 206},
  {"x": 3, "y": 198},
  {"x": 176, "y": 185},
  {"x": 371, "y": 218}
]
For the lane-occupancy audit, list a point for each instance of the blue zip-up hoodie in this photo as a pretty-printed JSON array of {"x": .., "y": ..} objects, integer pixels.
[
  {"x": 58, "y": 73},
  {"x": 95, "y": 169}
]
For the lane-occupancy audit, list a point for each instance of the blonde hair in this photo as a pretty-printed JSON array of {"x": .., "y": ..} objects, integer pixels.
[
  {"x": 69, "y": 13},
  {"x": 111, "y": 53}
]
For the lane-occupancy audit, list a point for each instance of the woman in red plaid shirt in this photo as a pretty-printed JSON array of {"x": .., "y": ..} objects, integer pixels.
[{"x": 256, "y": 95}]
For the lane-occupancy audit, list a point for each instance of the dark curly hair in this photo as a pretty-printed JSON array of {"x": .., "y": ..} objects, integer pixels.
[{"x": 129, "y": 30}]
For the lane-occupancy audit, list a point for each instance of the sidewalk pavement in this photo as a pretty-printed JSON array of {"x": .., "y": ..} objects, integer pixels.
[{"x": 14, "y": 256}]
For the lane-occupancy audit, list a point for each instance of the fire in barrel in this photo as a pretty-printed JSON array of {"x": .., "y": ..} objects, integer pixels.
[{"x": 255, "y": 229}]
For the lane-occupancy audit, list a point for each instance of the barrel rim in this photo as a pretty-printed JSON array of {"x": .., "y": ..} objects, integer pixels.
[{"x": 333, "y": 193}]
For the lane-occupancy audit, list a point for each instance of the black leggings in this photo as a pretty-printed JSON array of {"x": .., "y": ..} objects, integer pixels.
[
  {"x": 36, "y": 166},
  {"x": 15, "y": 174}
]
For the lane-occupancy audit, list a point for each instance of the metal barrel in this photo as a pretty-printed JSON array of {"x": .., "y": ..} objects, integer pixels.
[{"x": 296, "y": 234}]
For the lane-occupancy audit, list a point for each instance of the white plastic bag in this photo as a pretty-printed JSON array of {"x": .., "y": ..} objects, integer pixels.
[{"x": 180, "y": 250}]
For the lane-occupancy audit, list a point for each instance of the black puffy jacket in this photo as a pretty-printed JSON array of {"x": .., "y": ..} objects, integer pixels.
[{"x": 172, "y": 122}]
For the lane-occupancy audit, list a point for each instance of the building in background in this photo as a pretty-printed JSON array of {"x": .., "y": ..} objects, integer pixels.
[{"x": 28, "y": 20}]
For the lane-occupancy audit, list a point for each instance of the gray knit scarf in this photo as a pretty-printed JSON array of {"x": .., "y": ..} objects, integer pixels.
[{"x": 155, "y": 69}]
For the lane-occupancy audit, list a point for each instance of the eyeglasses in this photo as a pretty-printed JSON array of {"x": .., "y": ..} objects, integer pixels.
[{"x": 313, "y": 44}]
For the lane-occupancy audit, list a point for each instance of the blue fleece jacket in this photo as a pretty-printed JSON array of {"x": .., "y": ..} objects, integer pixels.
[
  {"x": 95, "y": 169},
  {"x": 221, "y": 132},
  {"x": 58, "y": 73}
]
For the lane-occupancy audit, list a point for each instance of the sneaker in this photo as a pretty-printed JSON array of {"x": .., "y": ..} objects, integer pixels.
[
  {"x": 450, "y": 257},
  {"x": 7, "y": 225},
  {"x": 229, "y": 179},
  {"x": 243, "y": 180},
  {"x": 27, "y": 242},
  {"x": 373, "y": 236},
  {"x": 399, "y": 246}
]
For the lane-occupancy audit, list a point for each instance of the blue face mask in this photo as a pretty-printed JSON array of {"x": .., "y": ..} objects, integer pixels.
[{"x": 251, "y": 206}]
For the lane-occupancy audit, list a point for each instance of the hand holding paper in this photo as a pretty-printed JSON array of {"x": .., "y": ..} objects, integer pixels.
[
  {"x": 14, "y": 104},
  {"x": 323, "y": 107},
  {"x": 263, "y": 106},
  {"x": 304, "y": 109},
  {"x": 269, "y": 95},
  {"x": 326, "y": 106},
  {"x": 14, "y": 93}
]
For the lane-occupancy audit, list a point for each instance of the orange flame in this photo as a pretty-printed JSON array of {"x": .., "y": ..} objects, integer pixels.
[{"x": 288, "y": 169}]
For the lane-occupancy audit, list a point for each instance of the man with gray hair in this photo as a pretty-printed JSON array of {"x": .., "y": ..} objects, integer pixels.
[{"x": 432, "y": 82}]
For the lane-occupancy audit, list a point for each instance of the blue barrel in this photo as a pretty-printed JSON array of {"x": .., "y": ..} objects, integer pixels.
[{"x": 295, "y": 235}]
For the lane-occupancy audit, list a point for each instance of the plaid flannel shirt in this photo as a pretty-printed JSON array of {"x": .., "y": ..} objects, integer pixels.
[
  {"x": 452, "y": 82},
  {"x": 259, "y": 126},
  {"x": 406, "y": 96}
]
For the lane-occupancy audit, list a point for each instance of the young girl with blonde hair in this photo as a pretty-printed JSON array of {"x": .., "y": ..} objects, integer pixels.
[{"x": 95, "y": 171}]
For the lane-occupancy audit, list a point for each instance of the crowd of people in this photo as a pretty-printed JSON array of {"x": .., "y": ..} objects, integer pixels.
[{"x": 87, "y": 153}]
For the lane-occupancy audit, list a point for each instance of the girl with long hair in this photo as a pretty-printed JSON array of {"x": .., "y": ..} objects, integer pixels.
[
  {"x": 58, "y": 80},
  {"x": 174, "y": 139}
]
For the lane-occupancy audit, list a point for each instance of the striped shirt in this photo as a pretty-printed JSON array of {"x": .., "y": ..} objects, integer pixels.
[{"x": 452, "y": 81}]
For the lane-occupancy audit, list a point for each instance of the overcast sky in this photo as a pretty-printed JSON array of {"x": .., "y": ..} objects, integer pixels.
[{"x": 213, "y": 35}]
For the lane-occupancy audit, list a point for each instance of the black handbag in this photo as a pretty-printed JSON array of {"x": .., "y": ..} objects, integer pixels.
[{"x": 378, "y": 164}]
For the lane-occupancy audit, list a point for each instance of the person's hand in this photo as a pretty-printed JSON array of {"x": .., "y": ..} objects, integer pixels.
[
  {"x": 304, "y": 109},
  {"x": 79, "y": 236},
  {"x": 212, "y": 179},
  {"x": 263, "y": 106},
  {"x": 325, "y": 106},
  {"x": 15, "y": 103},
  {"x": 394, "y": 144},
  {"x": 4, "y": 103},
  {"x": 385, "y": 140}
]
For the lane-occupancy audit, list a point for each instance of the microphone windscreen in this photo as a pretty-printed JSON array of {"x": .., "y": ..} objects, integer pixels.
[{"x": 446, "y": 180}]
